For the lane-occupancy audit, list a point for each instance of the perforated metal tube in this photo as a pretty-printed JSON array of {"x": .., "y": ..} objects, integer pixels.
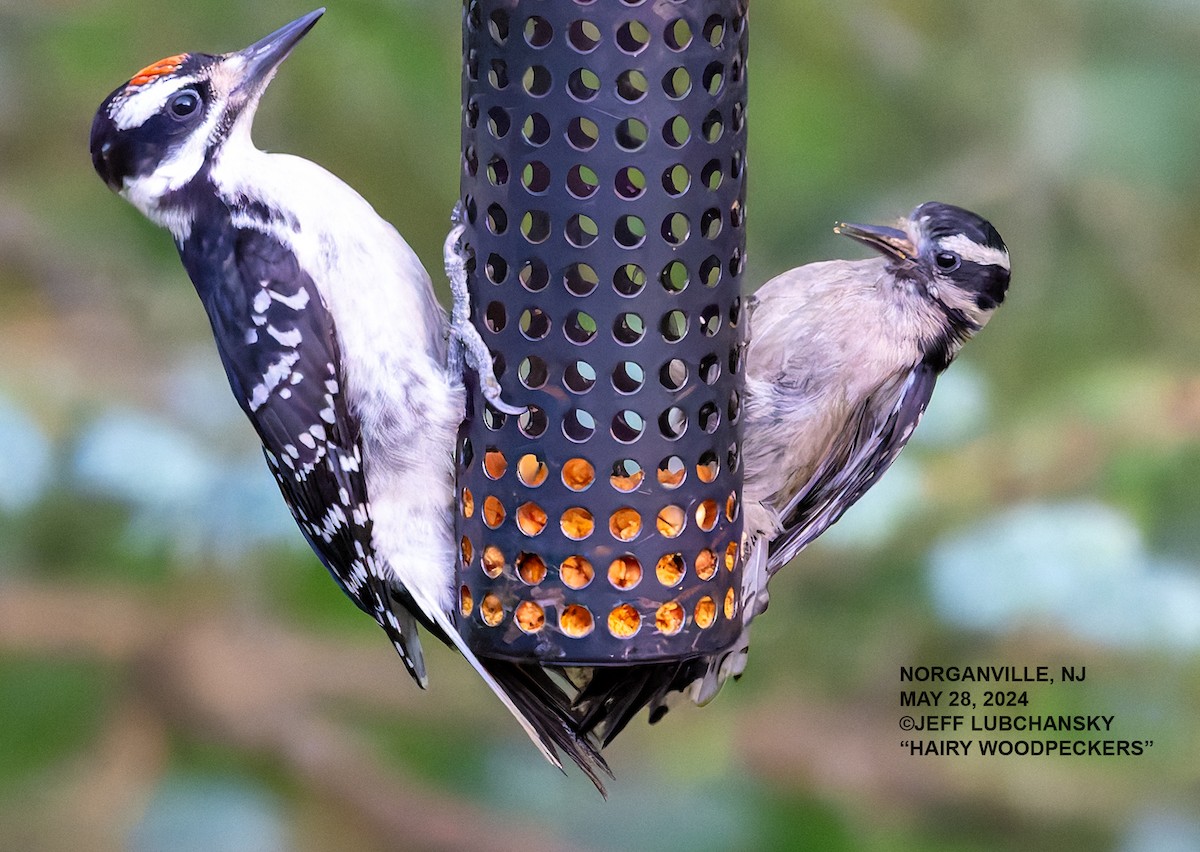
[{"x": 603, "y": 176}]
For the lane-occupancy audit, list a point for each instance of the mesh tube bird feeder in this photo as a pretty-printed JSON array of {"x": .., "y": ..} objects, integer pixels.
[{"x": 603, "y": 179}]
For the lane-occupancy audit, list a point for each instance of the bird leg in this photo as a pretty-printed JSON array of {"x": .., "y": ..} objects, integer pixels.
[{"x": 470, "y": 345}]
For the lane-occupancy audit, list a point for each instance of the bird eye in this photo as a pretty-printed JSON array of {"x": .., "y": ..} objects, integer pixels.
[
  {"x": 947, "y": 261},
  {"x": 183, "y": 104}
]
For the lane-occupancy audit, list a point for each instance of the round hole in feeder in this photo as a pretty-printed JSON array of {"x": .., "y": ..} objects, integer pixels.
[
  {"x": 580, "y": 279},
  {"x": 582, "y": 230},
  {"x": 735, "y": 359},
  {"x": 630, "y": 232},
  {"x": 577, "y": 523},
  {"x": 674, "y": 277},
  {"x": 630, "y": 183},
  {"x": 730, "y": 604},
  {"x": 583, "y": 36},
  {"x": 671, "y": 472},
  {"x": 677, "y": 83},
  {"x": 576, "y": 621},
  {"x": 625, "y": 524},
  {"x": 706, "y": 564},
  {"x": 669, "y": 570},
  {"x": 468, "y": 550},
  {"x": 536, "y": 129},
  {"x": 731, "y": 553},
  {"x": 625, "y": 572},
  {"x": 628, "y": 328},
  {"x": 626, "y": 475},
  {"x": 491, "y": 611},
  {"x": 737, "y": 214},
  {"x": 711, "y": 175},
  {"x": 714, "y": 77},
  {"x": 628, "y": 377},
  {"x": 499, "y": 122},
  {"x": 676, "y": 180},
  {"x": 706, "y": 515},
  {"x": 468, "y": 503},
  {"x": 531, "y": 519},
  {"x": 710, "y": 223},
  {"x": 496, "y": 268},
  {"x": 535, "y": 226},
  {"x": 713, "y": 126},
  {"x": 710, "y": 368},
  {"x": 668, "y": 619},
  {"x": 670, "y": 521},
  {"x": 537, "y": 80},
  {"x": 582, "y": 133},
  {"x": 530, "y": 617},
  {"x": 497, "y": 171},
  {"x": 579, "y": 377},
  {"x": 632, "y": 37},
  {"x": 498, "y": 26},
  {"x": 535, "y": 177},
  {"x": 735, "y": 171},
  {"x": 582, "y": 181},
  {"x": 466, "y": 603},
  {"x": 492, "y": 561},
  {"x": 533, "y": 275},
  {"x": 531, "y": 470},
  {"x": 710, "y": 271},
  {"x": 530, "y": 568},
  {"x": 734, "y": 457},
  {"x": 538, "y": 31},
  {"x": 624, "y": 621},
  {"x": 533, "y": 422},
  {"x": 583, "y": 84},
  {"x": 497, "y": 219},
  {"x": 631, "y": 134},
  {"x": 498, "y": 75},
  {"x": 466, "y": 452},
  {"x": 580, "y": 328},
  {"x": 714, "y": 30},
  {"x": 735, "y": 407},
  {"x": 732, "y": 506},
  {"x": 495, "y": 317},
  {"x": 576, "y": 572},
  {"x": 678, "y": 34},
  {"x": 735, "y": 311},
  {"x": 471, "y": 113},
  {"x": 673, "y": 375},
  {"x": 578, "y": 425},
  {"x": 532, "y": 372},
  {"x": 627, "y": 426},
  {"x": 629, "y": 279},
  {"x": 706, "y": 612},
  {"x": 494, "y": 463},
  {"x": 632, "y": 85},
  {"x": 709, "y": 417},
  {"x": 499, "y": 365},
  {"x": 493, "y": 418},
  {"x": 578, "y": 474},
  {"x": 738, "y": 117},
  {"x": 493, "y": 511},
  {"x": 674, "y": 326},
  {"x": 673, "y": 423},
  {"x": 534, "y": 323},
  {"x": 710, "y": 320},
  {"x": 675, "y": 229},
  {"x": 676, "y": 132}
]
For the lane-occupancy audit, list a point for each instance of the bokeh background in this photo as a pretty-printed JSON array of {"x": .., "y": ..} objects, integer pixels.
[{"x": 177, "y": 672}]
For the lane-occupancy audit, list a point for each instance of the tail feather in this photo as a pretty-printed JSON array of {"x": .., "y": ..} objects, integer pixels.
[{"x": 615, "y": 694}]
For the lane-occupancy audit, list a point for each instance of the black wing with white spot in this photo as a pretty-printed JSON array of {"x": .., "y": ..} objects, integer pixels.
[
  {"x": 277, "y": 342},
  {"x": 853, "y": 465}
]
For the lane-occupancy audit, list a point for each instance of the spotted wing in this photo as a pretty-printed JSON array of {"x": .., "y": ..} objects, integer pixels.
[
  {"x": 277, "y": 342},
  {"x": 855, "y": 463}
]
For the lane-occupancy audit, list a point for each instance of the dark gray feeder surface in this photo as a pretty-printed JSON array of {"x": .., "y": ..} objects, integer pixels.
[{"x": 603, "y": 175}]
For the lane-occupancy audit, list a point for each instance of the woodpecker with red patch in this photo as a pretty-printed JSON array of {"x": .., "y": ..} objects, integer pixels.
[{"x": 333, "y": 342}]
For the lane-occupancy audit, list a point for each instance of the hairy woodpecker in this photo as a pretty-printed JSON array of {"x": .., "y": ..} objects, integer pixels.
[
  {"x": 333, "y": 343},
  {"x": 841, "y": 361}
]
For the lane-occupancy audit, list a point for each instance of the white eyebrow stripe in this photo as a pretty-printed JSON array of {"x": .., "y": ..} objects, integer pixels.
[
  {"x": 135, "y": 109},
  {"x": 969, "y": 250}
]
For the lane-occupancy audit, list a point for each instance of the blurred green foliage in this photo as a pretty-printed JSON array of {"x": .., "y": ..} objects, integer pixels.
[{"x": 1072, "y": 125}]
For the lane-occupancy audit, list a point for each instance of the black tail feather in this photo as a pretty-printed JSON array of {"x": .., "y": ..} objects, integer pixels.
[
  {"x": 615, "y": 694},
  {"x": 549, "y": 710}
]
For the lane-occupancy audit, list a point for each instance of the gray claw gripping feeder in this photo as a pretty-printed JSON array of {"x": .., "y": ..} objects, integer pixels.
[{"x": 604, "y": 185}]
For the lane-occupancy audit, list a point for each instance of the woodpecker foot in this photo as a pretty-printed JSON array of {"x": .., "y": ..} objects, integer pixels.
[{"x": 471, "y": 345}]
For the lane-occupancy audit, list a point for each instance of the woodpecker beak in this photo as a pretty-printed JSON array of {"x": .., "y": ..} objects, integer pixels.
[
  {"x": 889, "y": 241},
  {"x": 264, "y": 56}
]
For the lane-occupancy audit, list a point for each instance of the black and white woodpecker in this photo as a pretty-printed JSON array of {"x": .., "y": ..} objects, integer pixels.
[
  {"x": 841, "y": 361},
  {"x": 333, "y": 342}
]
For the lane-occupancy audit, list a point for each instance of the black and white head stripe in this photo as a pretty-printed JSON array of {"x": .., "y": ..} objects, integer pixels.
[{"x": 964, "y": 249}]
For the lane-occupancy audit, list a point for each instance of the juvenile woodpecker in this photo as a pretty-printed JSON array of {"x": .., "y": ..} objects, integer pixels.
[
  {"x": 841, "y": 361},
  {"x": 333, "y": 343}
]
